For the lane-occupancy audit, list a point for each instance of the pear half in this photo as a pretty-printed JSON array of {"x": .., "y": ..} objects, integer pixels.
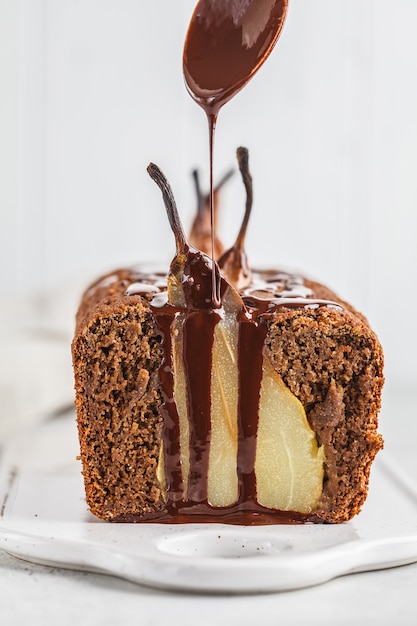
[
  {"x": 289, "y": 463},
  {"x": 222, "y": 487}
]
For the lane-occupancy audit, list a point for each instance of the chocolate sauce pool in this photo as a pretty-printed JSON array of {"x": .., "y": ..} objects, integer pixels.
[{"x": 268, "y": 292}]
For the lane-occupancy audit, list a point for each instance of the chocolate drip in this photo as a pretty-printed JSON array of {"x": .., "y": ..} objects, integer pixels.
[
  {"x": 171, "y": 429},
  {"x": 250, "y": 357},
  {"x": 198, "y": 351}
]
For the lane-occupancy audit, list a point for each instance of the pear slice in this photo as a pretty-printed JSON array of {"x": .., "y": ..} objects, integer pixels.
[
  {"x": 289, "y": 464},
  {"x": 160, "y": 472},
  {"x": 180, "y": 395},
  {"x": 222, "y": 475},
  {"x": 222, "y": 484}
]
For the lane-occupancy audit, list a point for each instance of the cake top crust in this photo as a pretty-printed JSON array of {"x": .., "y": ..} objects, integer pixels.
[{"x": 270, "y": 290}]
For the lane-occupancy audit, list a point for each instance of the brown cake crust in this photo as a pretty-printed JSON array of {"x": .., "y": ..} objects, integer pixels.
[
  {"x": 330, "y": 359},
  {"x": 116, "y": 356}
]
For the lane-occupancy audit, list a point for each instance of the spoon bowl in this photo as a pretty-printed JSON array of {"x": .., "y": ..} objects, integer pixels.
[{"x": 226, "y": 43}]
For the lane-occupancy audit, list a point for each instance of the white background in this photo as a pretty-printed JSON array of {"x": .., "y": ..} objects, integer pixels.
[{"x": 92, "y": 90}]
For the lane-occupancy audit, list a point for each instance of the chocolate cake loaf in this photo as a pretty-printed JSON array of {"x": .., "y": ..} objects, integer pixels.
[{"x": 217, "y": 393}]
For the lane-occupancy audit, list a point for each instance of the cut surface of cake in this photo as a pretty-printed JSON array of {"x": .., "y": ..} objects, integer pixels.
[{"x": 216, "y": 393}]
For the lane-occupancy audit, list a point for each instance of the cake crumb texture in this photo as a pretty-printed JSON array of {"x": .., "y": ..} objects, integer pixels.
[{"x": 116, "y": 359}]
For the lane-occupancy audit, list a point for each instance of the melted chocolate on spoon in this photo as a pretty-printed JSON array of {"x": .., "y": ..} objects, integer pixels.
[{"x": 226, "y": 43}]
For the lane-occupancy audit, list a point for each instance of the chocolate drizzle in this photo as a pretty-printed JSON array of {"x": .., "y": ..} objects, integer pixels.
[
  {"x": 252, "y": 334},
  {"x": 197, "y": 355},
  {"x": 171, "y": 431}
]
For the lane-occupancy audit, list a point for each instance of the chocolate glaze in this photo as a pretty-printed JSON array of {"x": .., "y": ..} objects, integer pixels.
[
  {"x": 197, "y": 281},
  {"x": 198, "y": 332},
  {"x": 171, "y": 429},
  {"x": 268, "y": 291}
]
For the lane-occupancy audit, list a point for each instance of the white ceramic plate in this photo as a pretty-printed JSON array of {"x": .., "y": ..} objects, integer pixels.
[{"x": 44, "y": 519}]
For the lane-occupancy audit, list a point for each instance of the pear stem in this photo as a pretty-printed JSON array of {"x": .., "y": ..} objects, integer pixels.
[
  {"x": 170, "y": 206},
  {"x": 203, "y": 199},
  {"x": 201, "y": 204},
  {"x": 223, "y": 180},
  {"x": 243, "y": 160}
]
